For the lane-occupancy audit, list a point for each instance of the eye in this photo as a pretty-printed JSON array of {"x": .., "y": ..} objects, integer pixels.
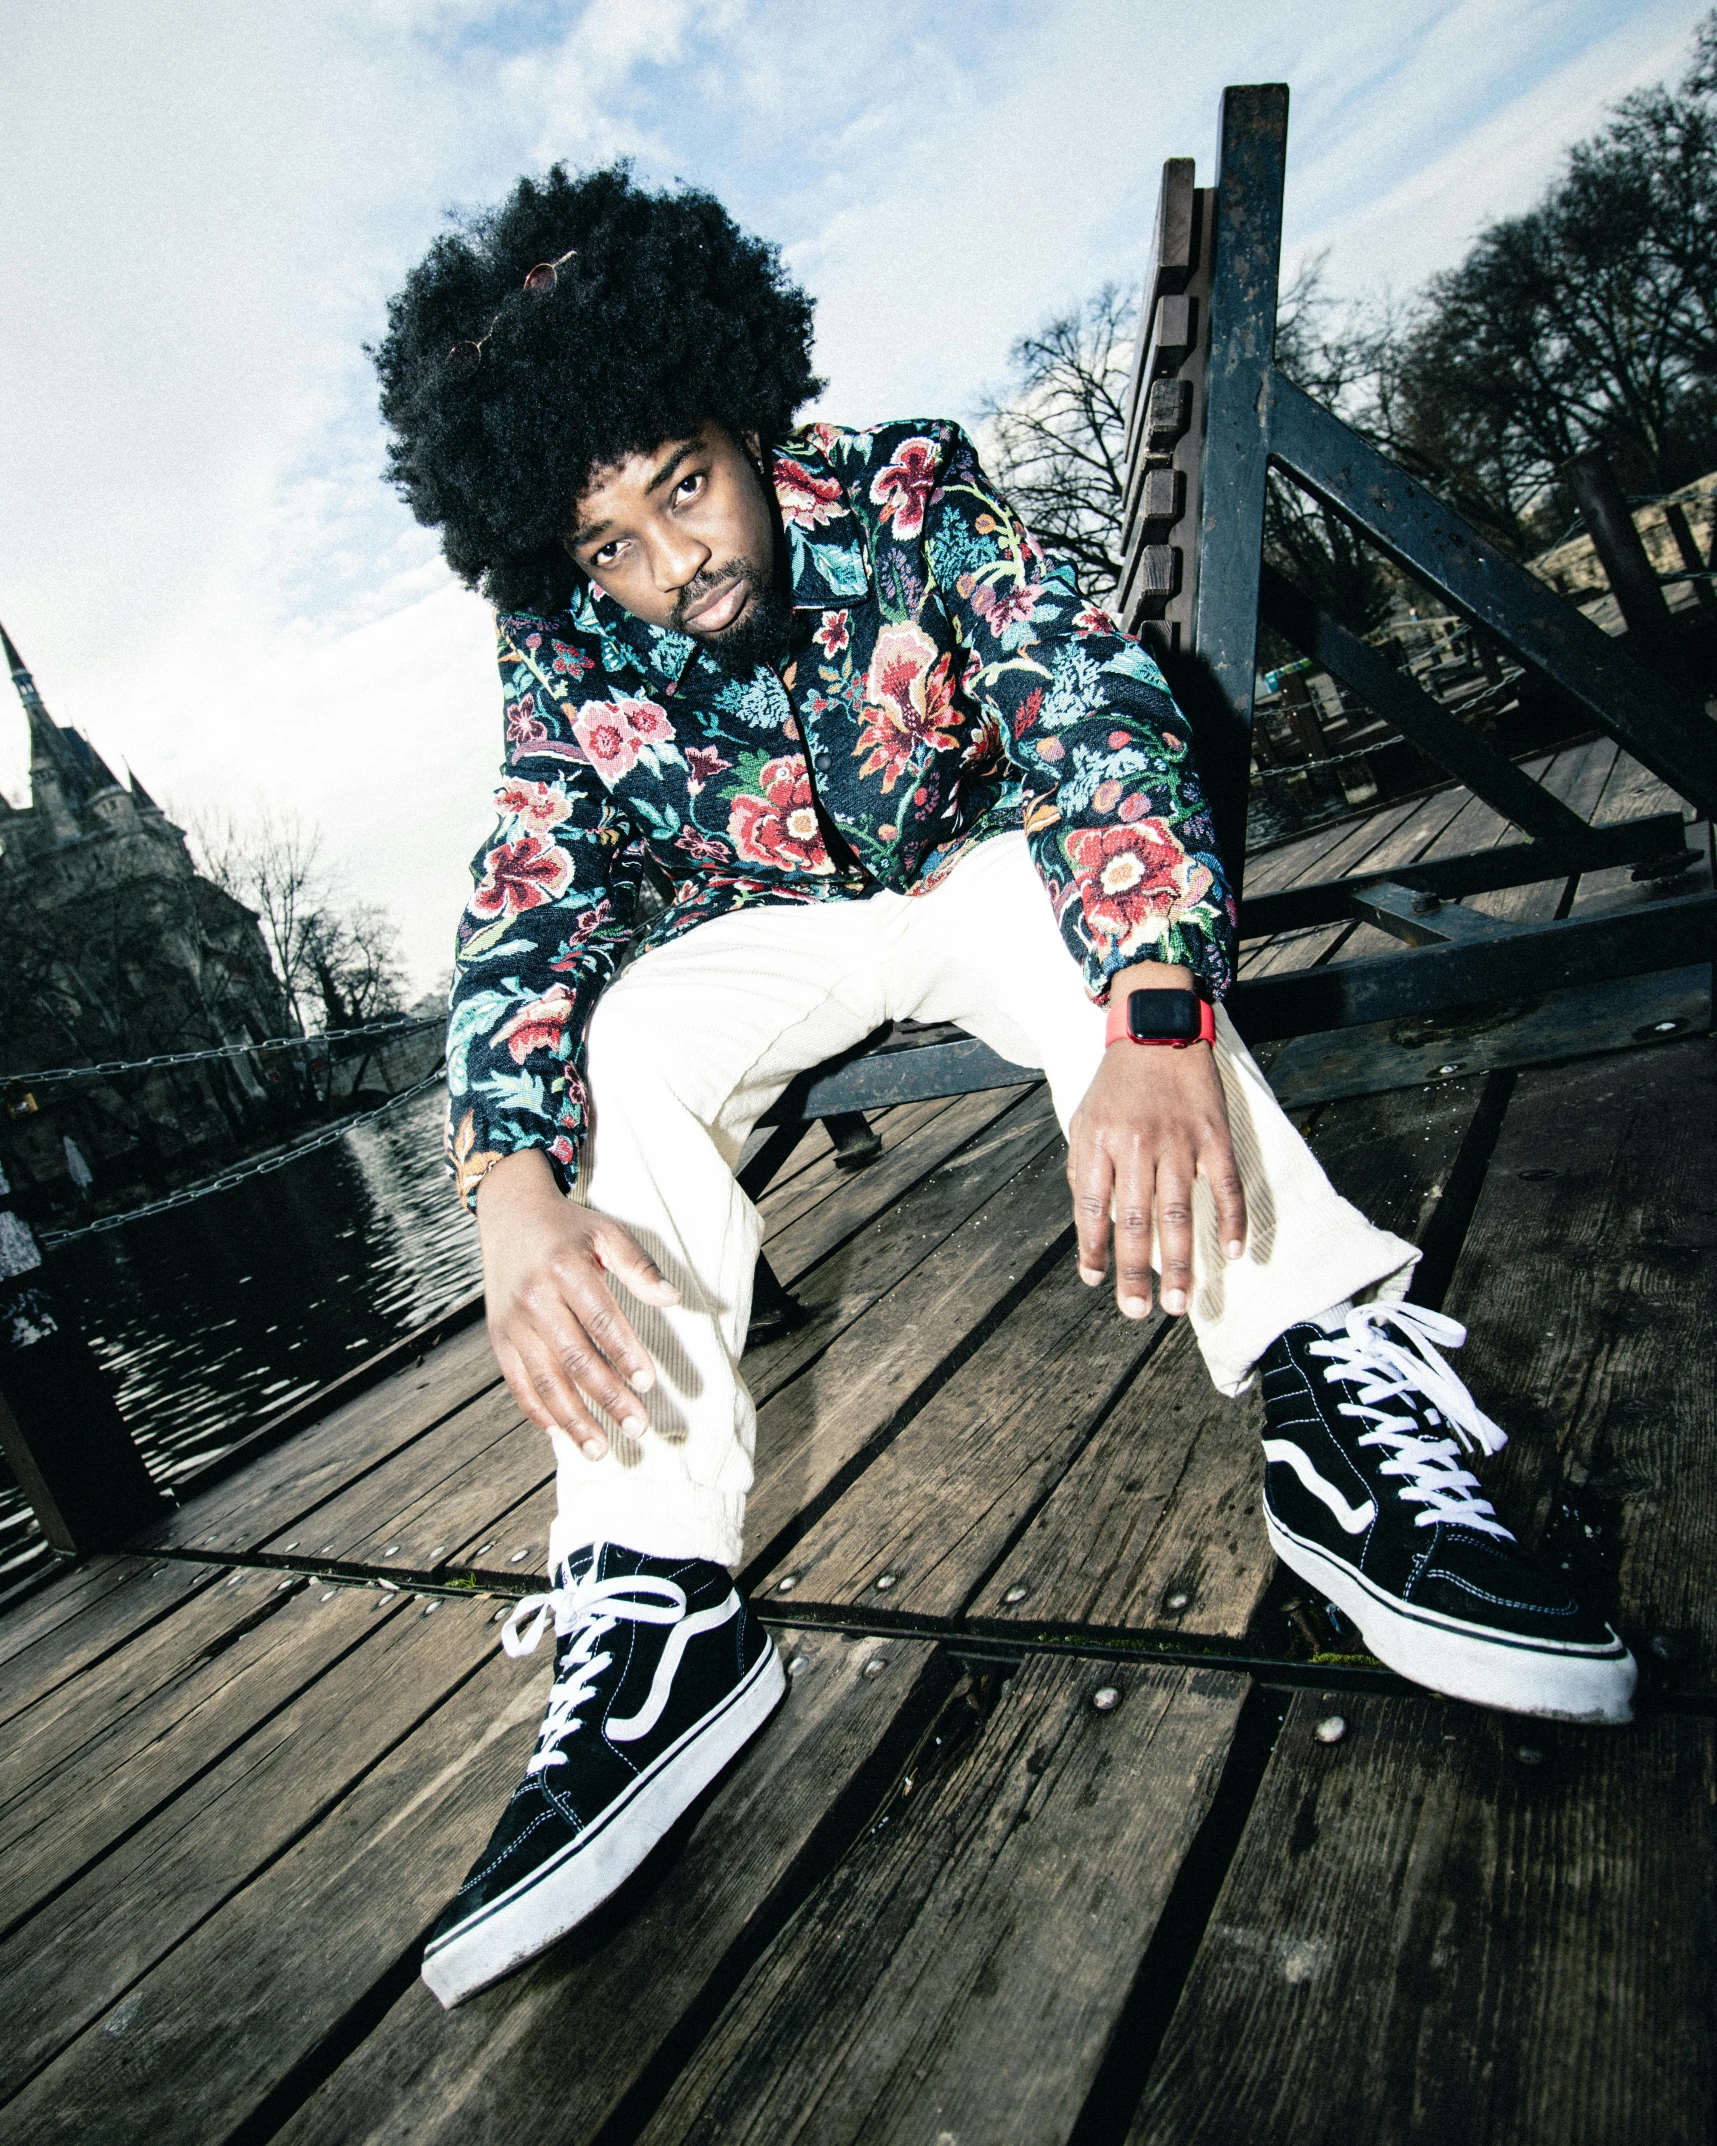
[
  {"x": 689, "y": 486},
  {"x": 606, "y": 554}
]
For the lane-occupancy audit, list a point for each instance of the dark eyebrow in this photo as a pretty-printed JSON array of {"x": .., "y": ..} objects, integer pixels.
[{"x": 592, "y": 530}]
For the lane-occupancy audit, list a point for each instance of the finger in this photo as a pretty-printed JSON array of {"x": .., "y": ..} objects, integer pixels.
[
  {"x": 1133, "y": 1188},
  {"x": 1174, "y": 1234},
  {"x": 594, "y": 1378},
  {"x": 1091, "y": 1177},
  {"x": 521, "y": 1388},
  {"x": 1219, "y": 1171},
  {"x": 604, "y": 1324},
  {"x": 622, "y": 1254},
  {"x": 566, "y": 1405}
]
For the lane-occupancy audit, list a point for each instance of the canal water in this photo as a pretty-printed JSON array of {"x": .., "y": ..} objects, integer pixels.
[{"x": 219, "y": 1313}]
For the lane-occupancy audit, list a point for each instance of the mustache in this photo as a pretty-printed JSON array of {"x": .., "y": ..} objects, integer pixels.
[{"x": 697, "y": 593}]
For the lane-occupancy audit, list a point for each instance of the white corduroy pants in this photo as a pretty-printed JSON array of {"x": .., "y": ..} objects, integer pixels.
[{"x": 696, "y": 1039}]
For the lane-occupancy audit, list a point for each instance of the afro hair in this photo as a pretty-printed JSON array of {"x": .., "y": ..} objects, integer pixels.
[{"x": 667, "y": 316}]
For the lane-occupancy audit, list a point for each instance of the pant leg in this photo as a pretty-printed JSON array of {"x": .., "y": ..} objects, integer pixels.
[
  {"x": 685, "y": 1051},
  {"x": 983, "y": 950}
]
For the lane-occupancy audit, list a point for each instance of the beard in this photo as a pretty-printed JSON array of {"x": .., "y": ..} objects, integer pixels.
[{"x": 758, "y": 635}]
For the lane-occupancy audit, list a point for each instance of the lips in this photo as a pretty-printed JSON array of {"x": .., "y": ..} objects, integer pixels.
[{"x": 719, "y": 610}]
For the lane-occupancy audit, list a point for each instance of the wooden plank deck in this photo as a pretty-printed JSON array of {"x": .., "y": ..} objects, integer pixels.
[{"x": 947, "y": 1898}]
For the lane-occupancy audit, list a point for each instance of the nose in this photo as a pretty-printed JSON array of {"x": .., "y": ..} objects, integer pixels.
[{"x": 679, "y": 558}]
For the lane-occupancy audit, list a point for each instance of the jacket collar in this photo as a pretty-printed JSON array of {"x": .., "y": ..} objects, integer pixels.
[{"x": 826, "y": 556}]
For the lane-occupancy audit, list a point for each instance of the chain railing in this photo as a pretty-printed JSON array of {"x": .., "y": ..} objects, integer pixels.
[
  {"x": 105, "y": 1069},
  {"x": 243, "y": 1172}
]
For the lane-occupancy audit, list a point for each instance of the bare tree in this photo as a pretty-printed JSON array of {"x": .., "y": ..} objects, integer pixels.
[
  {"x": 1061, "y": 432},
  {"x": 354, "y": 956}
]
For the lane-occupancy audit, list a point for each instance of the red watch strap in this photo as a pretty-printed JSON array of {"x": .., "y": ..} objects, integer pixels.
[{"x": 1118, "y": 1030}]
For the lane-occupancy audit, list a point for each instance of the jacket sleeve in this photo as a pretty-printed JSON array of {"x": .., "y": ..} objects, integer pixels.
[
  {"x": 551, "y": 912},
  {"x": 1111, "y": 803}
]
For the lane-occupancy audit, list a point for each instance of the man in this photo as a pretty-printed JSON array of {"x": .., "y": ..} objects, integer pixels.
[{"x": 826, "y": 686}]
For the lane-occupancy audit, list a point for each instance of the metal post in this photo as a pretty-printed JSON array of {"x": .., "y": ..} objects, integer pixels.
[
  {"x": 1245, "y": 263},
  {"x": 1689, "y": 550},
  {"x": 1632, "y": 577},
  {"x": 59, "y": 1426}
]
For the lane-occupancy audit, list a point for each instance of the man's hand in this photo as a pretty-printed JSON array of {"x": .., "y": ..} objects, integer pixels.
[
  {"x": 1152, "y": 1121},
  {"x": 559, "y": 1336}
]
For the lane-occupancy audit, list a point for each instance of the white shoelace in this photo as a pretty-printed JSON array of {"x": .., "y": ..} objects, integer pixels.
[
  {"x": 1386, "y": 1369},
  {"x": 586, "y": 1610}
]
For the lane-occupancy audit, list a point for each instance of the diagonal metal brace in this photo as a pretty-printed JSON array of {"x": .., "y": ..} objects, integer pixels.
[
  {"x": 1671, "y": 736},
  {"x": 1443, "y": 737}
]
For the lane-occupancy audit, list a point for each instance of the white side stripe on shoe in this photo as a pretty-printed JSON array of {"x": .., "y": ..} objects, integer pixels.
[
  {"x": 683, "y": 1633},
  {"x": 1354, "y": 1518}
]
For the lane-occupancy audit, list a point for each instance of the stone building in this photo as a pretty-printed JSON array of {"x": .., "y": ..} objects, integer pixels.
[{"x": 115, "y": 947}]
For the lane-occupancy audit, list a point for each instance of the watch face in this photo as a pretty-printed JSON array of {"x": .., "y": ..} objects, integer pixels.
[{"x": 1163, "y": 1016}]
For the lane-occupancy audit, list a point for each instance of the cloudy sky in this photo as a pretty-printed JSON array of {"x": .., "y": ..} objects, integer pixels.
[{"x": 207, "y": 205}]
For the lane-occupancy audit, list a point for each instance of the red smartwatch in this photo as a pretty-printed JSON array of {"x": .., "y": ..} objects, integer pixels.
[{"x": 1176, "y": 1018}]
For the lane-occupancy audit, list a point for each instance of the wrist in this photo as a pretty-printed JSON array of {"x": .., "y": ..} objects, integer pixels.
[
  {"x": 518, "y": 1181},
  {"x": 1151, "y": 976}
]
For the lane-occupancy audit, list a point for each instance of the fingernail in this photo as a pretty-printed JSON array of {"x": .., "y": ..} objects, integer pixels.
[
  {"x": 1091, "y": 1276},
  {"x": 1134, "y": 1307},
  {"x": 594, "y": 1449},
  {"x": 1174, "y": 1302},
  {"x": 636, "y": 1424},
  {"x": 643, "y": 1380},
  {"x": 1235, "y": 1248}
]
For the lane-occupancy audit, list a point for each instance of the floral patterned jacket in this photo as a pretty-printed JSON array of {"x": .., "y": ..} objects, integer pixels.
[{"x": 944, "y": 683}]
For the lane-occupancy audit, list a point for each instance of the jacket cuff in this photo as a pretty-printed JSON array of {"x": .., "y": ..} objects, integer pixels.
[
  {"x": 476, "y": 1141},
  {"x": 1181, "y": 945}
]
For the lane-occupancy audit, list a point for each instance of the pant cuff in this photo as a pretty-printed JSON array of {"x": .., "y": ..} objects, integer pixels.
[{"x": 1328, "y": 1270}]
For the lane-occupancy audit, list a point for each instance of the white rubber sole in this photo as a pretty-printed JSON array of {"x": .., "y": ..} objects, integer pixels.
[
  {"x": 1519, "y": 1676},
  {"x": 519, "y": 1924}
]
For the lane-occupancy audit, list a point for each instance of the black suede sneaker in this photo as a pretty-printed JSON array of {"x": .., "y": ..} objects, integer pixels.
[
  {"x": 1366, "y": 1498},
  {"x": 662, "y": 1676}
]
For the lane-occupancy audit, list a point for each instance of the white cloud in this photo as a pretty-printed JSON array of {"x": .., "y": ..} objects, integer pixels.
[{"x": 208, "y": 205}]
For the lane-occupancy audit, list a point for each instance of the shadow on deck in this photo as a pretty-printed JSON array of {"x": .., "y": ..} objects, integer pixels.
[{"x": 946, "y": 1898}]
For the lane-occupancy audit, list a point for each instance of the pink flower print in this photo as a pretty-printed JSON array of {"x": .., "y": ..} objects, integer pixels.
[
  {"x": 524, "y": 730},
  {"x": 1093, "y": 619},
  {"x": 571, "y": 662},
  {"x": 1004, "y": 607},
  {"x": 909, "y": 702},
  {"x": 613, "y": 732},
  {"x": 521, "y": 875},
  {"x": 540, "y": 1026},
  {"x": 1132, "y": 807},
  {"x": 1107, "y": 797},
  {"x": 905, "y": 487},
  {"x": 1132, "y": 881},
  {"x": 537, "y": 804},
  {"x": 563, "y": 1151},
  {"x": 832, "y": 635},
  {"x": 780, "y": 827},
  {"x": 806, "y": 499},
  {"x": 705, "y": 763},
  {"x": 702, "y": 847}
]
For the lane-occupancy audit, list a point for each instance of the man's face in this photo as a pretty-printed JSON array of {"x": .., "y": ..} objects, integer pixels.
[{"x": 684, "y": 537}]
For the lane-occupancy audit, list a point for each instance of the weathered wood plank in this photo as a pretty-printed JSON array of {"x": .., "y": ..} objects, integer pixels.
[
  {"x": 1156, "y": 1525},
  {"x": 927, "y": 1519},
  {"x": 1589, "y": 1279},
  {"x": 273, "y": 1490},
  {"x": 959, "y": 1975},
  {"x": 819, "y": 1177},
  {"x": 858, "y": 1272},
  {"x": 126, "y": 1598},
  {"x": 98, "y": 1703},
  {"x": 865, "y": 1194},
  {"x": 110, "y": 1932},
  {"x": 550, "y": 2053},
  {"x": 274, "y": 1644},
  {"x": 872, "y": 1376},
  {"x": 416, "y": 1503},
  {"x": 1421, "y": 1937}
]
